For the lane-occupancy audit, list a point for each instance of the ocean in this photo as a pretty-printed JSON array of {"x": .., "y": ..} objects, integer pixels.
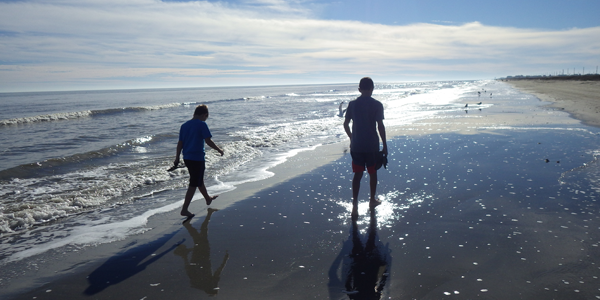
[
  {"x": 89, "y": 167},
  {"x": 486, "y": 188}
]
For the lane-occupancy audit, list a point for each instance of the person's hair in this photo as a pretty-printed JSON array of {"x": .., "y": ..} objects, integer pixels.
[
  {"x": 200, "y": 110},
  {"x": 366, "y": 83}
]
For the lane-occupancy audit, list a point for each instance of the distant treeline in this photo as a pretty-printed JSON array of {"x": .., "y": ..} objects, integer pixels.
[{"x": 586, "y": 77}]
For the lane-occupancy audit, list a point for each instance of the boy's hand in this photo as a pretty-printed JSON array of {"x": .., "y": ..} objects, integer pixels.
[
  {"x": 176, "y": 162},
  {"x": 221, "y": 152}
]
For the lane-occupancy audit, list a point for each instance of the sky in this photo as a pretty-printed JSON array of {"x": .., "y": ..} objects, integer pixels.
[{"x": 54, "y": 45}]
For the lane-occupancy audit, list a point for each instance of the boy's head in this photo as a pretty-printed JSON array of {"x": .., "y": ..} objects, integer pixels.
[
  {"x": 366, "y": 85},
  {"x": 201, "y": 110}
]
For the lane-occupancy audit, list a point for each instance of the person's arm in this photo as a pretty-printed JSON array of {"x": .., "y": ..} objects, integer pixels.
[
  {"x": 179, "y": 148},
  {"x": 381, "y": 129},
  {"x": 210, "y": 143},
  {"x": 347, "y": 128}
]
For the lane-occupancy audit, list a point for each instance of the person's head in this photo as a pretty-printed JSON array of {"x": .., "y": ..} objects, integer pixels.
[
  {"x": 201, "y": 111},
  {"x": 366, "y": 86}
]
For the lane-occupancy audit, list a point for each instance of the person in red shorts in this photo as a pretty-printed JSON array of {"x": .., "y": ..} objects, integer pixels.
[{"x": 366, "y": 115}]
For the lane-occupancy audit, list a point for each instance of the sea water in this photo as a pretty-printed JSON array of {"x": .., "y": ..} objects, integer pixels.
[{"x": 88, "y": 167}]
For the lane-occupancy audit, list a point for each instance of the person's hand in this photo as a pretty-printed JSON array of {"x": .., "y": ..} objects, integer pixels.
[
  {"x": 385, "y": 150},
  {"x": 176, "y": 162},
  {"x": 221, "y": 152}
]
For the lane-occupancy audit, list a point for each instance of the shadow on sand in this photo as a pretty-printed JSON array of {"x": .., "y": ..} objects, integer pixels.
[
  {"x": 365, "y": 267},
  {"x": 124, "y": 265}
]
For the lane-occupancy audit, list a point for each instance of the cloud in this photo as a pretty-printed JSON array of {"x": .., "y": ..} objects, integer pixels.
[{"x": 136, "y": 40}]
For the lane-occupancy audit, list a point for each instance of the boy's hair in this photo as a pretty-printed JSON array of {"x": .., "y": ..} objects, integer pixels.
[
  {"x": 200, "y": 110},
  {"x": 366, "y": 83}
]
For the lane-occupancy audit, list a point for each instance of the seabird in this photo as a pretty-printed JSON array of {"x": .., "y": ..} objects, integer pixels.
[{"x": 342, "y": 111}]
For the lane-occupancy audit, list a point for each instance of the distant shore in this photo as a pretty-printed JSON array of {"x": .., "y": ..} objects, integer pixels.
[
  {"x": 580, "y": 98},
  {"x": 578, "y": 77}
]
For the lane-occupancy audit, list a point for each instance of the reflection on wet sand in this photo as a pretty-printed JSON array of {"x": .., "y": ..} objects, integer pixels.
[
  {"x": 198, "y": 267},
  {"x": 365, "y": 267}
]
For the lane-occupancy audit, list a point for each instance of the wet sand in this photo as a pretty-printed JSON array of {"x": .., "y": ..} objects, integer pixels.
[
  {"x": 469, "y": 212},
  {"x": 580, "y": 98}
]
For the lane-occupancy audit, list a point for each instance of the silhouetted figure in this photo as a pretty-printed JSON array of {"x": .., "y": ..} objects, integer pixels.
[
  {"x": 198, "y": 267},
  {"x": 365, "y": 270},
  {"x": 366, "y": 115}
]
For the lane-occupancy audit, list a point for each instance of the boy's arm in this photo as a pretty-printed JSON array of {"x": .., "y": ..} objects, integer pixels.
[
  {"x": 212, "y": 145},
  {"x": 347, "y": 128},
  {"x": 179, "y": 148},
  {"x": 381, "y": 129}
]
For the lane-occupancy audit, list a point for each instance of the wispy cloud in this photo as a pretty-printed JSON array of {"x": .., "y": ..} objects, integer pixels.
[{"x": 153, "y": 43}]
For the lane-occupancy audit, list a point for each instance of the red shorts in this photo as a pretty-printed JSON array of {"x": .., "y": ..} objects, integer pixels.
[{"x": 360, "y": 160}]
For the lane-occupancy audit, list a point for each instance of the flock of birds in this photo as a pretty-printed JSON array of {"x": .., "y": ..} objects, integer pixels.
[
  {"x": 479, "y": 96},
  {"x": 342, "y": 111}
]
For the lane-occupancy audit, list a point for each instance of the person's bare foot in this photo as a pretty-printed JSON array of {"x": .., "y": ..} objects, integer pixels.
[
  {"x": 187, "y": 213},
  {"x": 374, "y": 202},
  {"x": 209, "y": 201},
  {"x": 188, "y": 216}
]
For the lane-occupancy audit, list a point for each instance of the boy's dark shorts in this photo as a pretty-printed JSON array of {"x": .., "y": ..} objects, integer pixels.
[
  {"x": 362, "y": 159},
  {"x": 196, "y": 169}
]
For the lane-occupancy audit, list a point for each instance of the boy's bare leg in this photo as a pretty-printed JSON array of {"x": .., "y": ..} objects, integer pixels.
[
  {"x": 373, "y": 182},
  {"x": 356, "y": 187},
  {"x": 188, "y": 199},
  {"x": 204, "y": 192}
]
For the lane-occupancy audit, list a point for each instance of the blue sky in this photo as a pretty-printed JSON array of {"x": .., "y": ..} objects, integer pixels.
[{"x": 115, "y": 44}]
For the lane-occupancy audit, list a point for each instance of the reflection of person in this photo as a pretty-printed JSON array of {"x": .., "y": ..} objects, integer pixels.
[
  {"x": 198, "y": 267},
  {"x": 365, "y": 268},
  {"x": 368, "y": 268},
  {"x": 192, "y": 136},
  {"x": 366, "y": 115}
]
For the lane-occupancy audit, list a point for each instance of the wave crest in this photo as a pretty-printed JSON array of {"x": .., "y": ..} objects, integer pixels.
[{"x": 82, "y": 114}]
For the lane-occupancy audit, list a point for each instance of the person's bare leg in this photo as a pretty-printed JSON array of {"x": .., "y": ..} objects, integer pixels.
[
  {"x": 373, "y": 183},
  {"x": 188, "y": 199},
  {"x": 204, "y": 192},
  {"x": 356, "y": 187}
]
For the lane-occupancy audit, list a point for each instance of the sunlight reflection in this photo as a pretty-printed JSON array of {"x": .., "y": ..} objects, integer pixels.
[{"x": 389, "y": 211}]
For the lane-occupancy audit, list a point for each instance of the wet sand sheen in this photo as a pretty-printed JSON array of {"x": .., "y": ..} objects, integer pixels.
[{"x": 464, "y": 216}]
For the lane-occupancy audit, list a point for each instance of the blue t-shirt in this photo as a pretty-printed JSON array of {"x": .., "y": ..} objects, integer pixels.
[
  {"x": 365, "y": 112},
  {"x": 192, "y": 133}
]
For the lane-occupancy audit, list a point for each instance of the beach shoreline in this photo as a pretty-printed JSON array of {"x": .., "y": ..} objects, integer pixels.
[
  {"x": 581, "y": 99},
  {"x": 277, "y": 238}
]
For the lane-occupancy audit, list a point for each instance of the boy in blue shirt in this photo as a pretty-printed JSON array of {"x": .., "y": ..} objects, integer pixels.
[{"x": 192, "y": 136}]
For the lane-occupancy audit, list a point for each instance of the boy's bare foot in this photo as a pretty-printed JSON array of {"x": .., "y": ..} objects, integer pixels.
[
  {"x": 209, "y": 201},
  {"x": 187, "y": 213},
  {"x": 188, "y": 216},
  {"x": 374, "y": 202}
]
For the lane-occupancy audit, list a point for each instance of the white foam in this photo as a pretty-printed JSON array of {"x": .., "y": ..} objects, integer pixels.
[
  {"x": 47, "y": 118},
  {"x": 260, "y": 171},
  {"x": 38, "y": 200},
  {"x": 102, "y": 231}
]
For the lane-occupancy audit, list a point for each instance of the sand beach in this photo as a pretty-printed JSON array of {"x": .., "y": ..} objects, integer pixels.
[
  {"x": 579, "y": 98},
  {"x": 499, "y": 201}
]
